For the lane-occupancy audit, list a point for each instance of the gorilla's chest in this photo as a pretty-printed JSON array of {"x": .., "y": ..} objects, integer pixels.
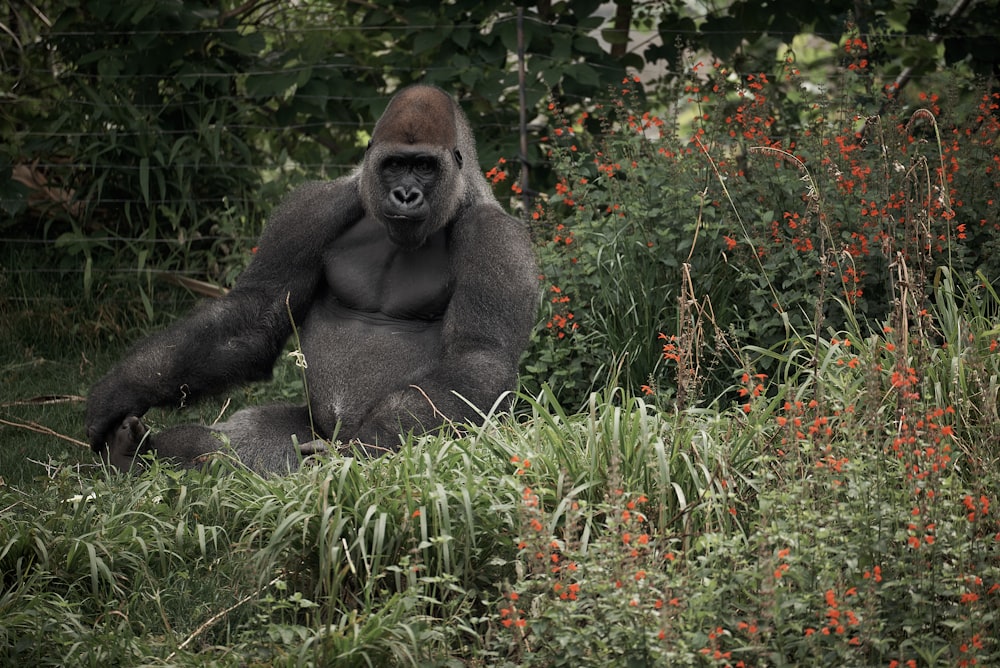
[{"x": 367, "y": 273}]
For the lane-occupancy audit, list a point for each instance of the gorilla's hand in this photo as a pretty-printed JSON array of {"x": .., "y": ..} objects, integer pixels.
[{"x": 108, "y": 404}]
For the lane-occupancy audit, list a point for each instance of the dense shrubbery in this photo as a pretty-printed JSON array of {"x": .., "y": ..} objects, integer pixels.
[
  {"x": 157, "y": 134},
  {"x": 848, "y": 519},
  {"x": 768, "y": 225}
]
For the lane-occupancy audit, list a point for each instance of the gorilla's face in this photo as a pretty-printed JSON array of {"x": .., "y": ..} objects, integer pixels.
[
  {"x": 409, "y": 179},
  {"x": 413, "y": 191},
  {"x": 412, "y": 178}
]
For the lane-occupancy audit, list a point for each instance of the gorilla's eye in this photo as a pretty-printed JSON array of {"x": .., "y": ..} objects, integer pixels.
[
  {"x": 425, "y": 166},
  {"x": 421, "y": 165},
  {"x": 394, "y": 164}
]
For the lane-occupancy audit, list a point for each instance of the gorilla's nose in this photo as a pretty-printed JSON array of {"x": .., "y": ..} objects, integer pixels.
[{"x": 407, "y": 198}]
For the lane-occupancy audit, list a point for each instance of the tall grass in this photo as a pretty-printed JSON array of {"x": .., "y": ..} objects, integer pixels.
[
  {"x": 696, "y": 537},
  {"x": 387, "y": 560}
]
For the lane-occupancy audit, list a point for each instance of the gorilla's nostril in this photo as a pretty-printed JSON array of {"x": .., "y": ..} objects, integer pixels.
[{"x": 408, "y": 197}]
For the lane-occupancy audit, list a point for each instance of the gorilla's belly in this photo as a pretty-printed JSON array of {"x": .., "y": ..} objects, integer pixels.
[{"x": 355, "y": 358}]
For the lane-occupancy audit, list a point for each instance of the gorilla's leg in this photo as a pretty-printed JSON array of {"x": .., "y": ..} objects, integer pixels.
[
  {"x": 264, "y": 439},
  {"x": 270, "y": 439}
]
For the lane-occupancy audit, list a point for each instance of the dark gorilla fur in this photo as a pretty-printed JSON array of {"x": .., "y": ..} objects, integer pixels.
[{"x": 413, "y": 291}]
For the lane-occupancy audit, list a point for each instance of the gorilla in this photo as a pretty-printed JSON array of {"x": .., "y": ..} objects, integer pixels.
[{"x": 412, "y": 291}]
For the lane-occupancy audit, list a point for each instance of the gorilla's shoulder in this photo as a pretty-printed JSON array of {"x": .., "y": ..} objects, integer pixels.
[
  {"x": 485, "y": 216},
  {"x": 487, "y": 229},
  {"x": 310, "y": 191},
  {"x": 312, "y": 198}
]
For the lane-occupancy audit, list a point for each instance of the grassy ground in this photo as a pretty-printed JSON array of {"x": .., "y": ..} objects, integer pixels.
[
  {"x": 48, "y": 363},
  {"x": 55, "y": 341},
  {"x": 844, "y": 515}
]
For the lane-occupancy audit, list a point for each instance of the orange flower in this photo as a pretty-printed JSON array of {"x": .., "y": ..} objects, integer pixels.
[{"x": 831, "y": 598}]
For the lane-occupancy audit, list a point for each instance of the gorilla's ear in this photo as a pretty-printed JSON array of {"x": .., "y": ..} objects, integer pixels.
[
  {"x": 369, "y": 145},
  {"x": 458, "y": 157}
]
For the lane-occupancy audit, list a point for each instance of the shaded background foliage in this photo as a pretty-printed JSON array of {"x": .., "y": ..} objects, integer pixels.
[{"x": 147, "y": 119}]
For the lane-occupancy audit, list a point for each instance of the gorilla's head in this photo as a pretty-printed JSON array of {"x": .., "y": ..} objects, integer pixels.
[{"x": 420, "y": 166}]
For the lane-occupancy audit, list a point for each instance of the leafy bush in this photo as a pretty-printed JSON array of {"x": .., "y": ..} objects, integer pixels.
[
  {"x": 848, "y": 516},
  {"x": 768, "y": 224},
  {"x": 165, "y": 146},
  {"x": 869, "y": 534},
  {"x": 622, "y": 237}
]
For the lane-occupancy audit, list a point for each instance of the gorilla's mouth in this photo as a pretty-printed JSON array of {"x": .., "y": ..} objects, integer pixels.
[{"x": 405, "y": 218}]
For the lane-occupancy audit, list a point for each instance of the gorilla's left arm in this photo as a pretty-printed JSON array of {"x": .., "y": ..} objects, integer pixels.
[{"x": 486, "y": 328}]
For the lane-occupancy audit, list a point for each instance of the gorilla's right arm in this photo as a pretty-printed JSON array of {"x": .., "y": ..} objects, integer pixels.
[{"x": 238, "y": 337}]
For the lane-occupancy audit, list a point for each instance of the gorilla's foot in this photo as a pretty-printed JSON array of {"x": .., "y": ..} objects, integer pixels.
[
  {"x": 317, "y": 447},
  {"x": 312, "y": 451},
  {"x": 127, "y": 443}
]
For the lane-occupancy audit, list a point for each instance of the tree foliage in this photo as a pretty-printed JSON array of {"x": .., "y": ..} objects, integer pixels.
[
  {"x": 170, "y": 127},
  {"x": 147, "y": 118}
]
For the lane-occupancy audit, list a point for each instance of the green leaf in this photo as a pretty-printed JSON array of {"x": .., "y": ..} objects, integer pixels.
[
  {"x": 462, "y": 37},
  {"x": 427, "y": 40},
  {"x": 587, "y": 45},
  {"x": 584, "y": 73},
  {"x": 508, "y": 35},
  {"x": 612, "y": 36},
  {"x": 469, "y": 77},
  {"x": 144, "y": 178},
  {"x": 271, "y": 85}
]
